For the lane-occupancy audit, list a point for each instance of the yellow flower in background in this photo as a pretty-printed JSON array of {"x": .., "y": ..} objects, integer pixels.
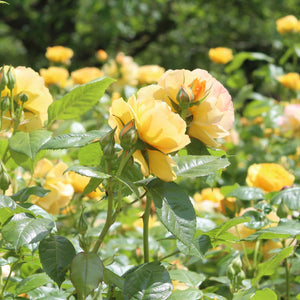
[
  {"x": 290, "y": 122},
  {"x": 220, "y": 55},
  {"x": 101, "y": 55},
  {"x": 286, "y": 24},
  {"x": 270, "y": 177},
  {"x": 55, "y": 75},
  {"x": 290, "y": 81},
  {"x": 59, "y": 54},
  {"x": 208, "y": 200},
  {"x": 157, "y": 126},
  {"x": 150, "y": 74},
  {"x": 211, "y": 117},
  {"x": 297, "y": 27},
  {"x": 79, "y": 183},
  {"x": 32, "y": 84},
  {"x": 152, "y": 222},
  {"x": 84, "y": 75},
  {"x": 61, "y": 190}
]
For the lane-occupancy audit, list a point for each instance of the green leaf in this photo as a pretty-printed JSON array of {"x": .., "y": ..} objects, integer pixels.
[
  {"x": 92, "y": 185},
  {"x": 247, "y": 193},
  {"x": 290, "y": 197},
  {"x": 71, "y": 140},
  {"x": 23, "y": 194},
  {"x": 111, "y": 278},
  {"x": 86, "y": 273},
  {"x": 196, "y": 147},
  {"x": 88, "y": 172},
  {"x": 190, "y": 294},
  {"x": 190, "y": 278},
  {"x": 195, "y": 166},
  {"x": 31, "y": 282},
  {"x": 148, "y": 281},
  {"x": 56, "y": 253},
  {"x": 270, "y": 266},
  {"x": 90, "y": 155},
  {"x": 29, "y": 143},
  {"x": 264, "y": 294},
  {"x": 174, "y": 209},
  {"x": 22, "y": 230},
  {"x": 79, "y": 100},
  {"x": 198, "y": 247},
  {"x": 7, "y": 208}
]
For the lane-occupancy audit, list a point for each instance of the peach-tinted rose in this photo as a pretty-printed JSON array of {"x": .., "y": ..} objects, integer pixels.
[
  {"x": 55, "y": 75},
  {"x": 150, "y": 74},
  {"x": 157, "y": 126},
  {"x": 59, "y": 54},
  {"x": 286, "y": 24},
  {"x": 270, "y": 177},
  {"x": 101, "y": 55},
  {"x": 290, "y": 81},
  {"x": 290, "y": 122},
  {"x": 84, "y": 75},
  {"x": 220, "y": 55}
]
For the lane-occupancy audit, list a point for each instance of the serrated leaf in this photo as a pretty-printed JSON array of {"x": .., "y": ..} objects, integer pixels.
[
  {"x": 79, "y": 100},
  {"x": 29, "y": 143},
  {"x": 23, "y": 194},
  {"x": 71, "y": 140},
  {"x": 111, "y": 278},
  {"x": 56, "y": 253},
  {"x": 31, "y": 282},
  {"x": 148, "y": 281},
  {"x": 174, "y": 209},
  {"x": 247, "y": 193},
  {"x": 90, "y": 155},
  {"x": 7, "y": 208},
  {"x": 88, "y": 172},
  {"x": 190, "y": 294},
  {"x": 289, "y": 196},
  {"x": 264, "y": 294},
  {"x": 86, "y": 273},
  {"x": 190, "y": 278},
  {"x": 198, "y": 247},
  {"x": 22, "y": 230},
  {"x": 195, "y": 166}
]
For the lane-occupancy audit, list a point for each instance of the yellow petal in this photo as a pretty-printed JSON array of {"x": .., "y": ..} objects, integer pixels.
[{"x": 42, "y": 167}]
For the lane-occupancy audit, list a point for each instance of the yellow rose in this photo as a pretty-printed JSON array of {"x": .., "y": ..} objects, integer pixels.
[
  {"x": 32, "y": 84},
  {"x": 84, "y": 75},
  {"x": 55, "y": 75},
  {"x": 220, "y": 55},
  {"x": 61, "y": 190},
  {"x": 270, "y": 177},
  {"x": 286, "y": 24},
  {"x": 157, "y": 126},
  {"x": 59, "y": 54},
  {"x": 79, "y": 183},
  {"x": 150, "y": 74},
  {"x": 212, "y": 116},
  {"x": 290, "y": 81}
]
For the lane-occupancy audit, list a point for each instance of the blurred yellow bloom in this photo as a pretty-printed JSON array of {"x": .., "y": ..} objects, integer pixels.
[
  {"x": 290, "y": 122},
  {"x": 32, "y": 84},
  {"x": 177, "y": 285},
  {"x": 290, "y": 81},
  {"x": 286, "y": 24},
  {"x": 59, "y": 54},
  {"x": 157, "y": 126},
  {"x": 79, "y": 183},
  {"x": 55, "y": 75},
  {"x": 208, "y": 200},
  {"x": 101, "y": 55},
  {"x": 61, "y": 190},
  {"x": 152, "y": 222},
  {"x": 269, "y": 177},
  {"x": 220, "y": 55},
  {"x": 84, "y": 75},
  {"x": 268, "y": 248},
  {"x": 150, "y": 74}
]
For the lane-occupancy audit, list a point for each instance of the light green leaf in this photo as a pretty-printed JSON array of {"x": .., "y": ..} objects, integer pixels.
[
  {"x": 79, "y": 100},
  {"x": 86, "y": 273},
  {"x": 190, "y": 294},
  {"x": 111, "y": 278},
  {"x": 190, "y": 278},
  {"x": 31, "y": 282},
  {"x": 247, "y": 193},
  {"x": 198, "y": 247},
  {"x": 56, "y": 253},
  {"x": 90, "y": 155},
  {"x": 195, "y": 166},
  {"x": 23, "y": 194},
  {"x": 290, "y": 197},
  {"x": 88, "y": 172},
  {"x": 264, "y": 294},
  {"x": 174, "y": 209},
  {"x": 148, "y": 281},
  {"x": 29, "y": 143}
]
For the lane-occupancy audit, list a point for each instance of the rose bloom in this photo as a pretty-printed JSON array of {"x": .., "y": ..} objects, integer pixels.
[
  {"x": 208, "y": 200},
  {"x": 290, "y": 122},
  {"x": 270, "y": 177},
  {"x": 286, "y": 24},
  {"x": 150, "y": 74},
  {"x": 212, "y": 117},
  {"x": 55, "y": 75},
  {"x": 220, "y": 55},
  {"x": 79, "y": 183},
  {"x": 32, "y": 84},
  {"x": 157, "y": 126},
  {"x": 290, "y": 81},
  {"x": 101, "y": 55},
  {"x": 61, "y": 190},
  {"x": 84, "y": 75},
  {"x": 59, "y": 54}
]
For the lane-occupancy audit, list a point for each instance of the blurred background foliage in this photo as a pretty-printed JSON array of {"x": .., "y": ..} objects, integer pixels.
[{"x": 173, "y": 34}]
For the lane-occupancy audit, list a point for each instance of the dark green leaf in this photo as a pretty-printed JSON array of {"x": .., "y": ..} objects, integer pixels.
[
  {"x": 79, "y": 100},
  {"x": 247, "y": 193},
  {"x": 198, "y": 247},
  {"x": 88, "y": 172},
  {"x": 23, "y": 195},
  {"x": 190, "y": 294},
  {"x": 56, "y": 253},
  {"x": 111, "y": 278},
  {"x": 190, "y": 278},
  {"x": 258, "y": 220},
  {"x": 86, "y": 273},
  {"x": 196, "y": 147},
  {"x": 174, "y": 209},
  {"x": 31, "y": 282},
  {"x": 195, "y": 166},
  {"x": 92, "y": 185},
  {"x": 290, "y": 197},
  {"x": 148, "y": 281}
]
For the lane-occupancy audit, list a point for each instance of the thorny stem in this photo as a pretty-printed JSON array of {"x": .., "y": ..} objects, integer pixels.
[{"x": 146, "y": 228}]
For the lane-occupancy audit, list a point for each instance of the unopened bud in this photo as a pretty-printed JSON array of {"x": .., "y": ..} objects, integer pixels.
[
  {"x": 23, "y": 98},
  {"x": 108, "y": 138},
  {"x": 241, "y": 276},
  {"x": 3, "y": 80},
  {"x": 5, "y": 104},
  {"x": 82, "y": 223},
  {"x": 230, "y": 272},
  {"x": 282, "y": 210},
  {"x": 183, "y": 96},
  {"x": 128, "y": 135},
  {"x": 11, "y": 79},
  {"x": 108, "y": 151},
  {"x": 4, "y": 181},
  {"x": 237, "y": 264}
]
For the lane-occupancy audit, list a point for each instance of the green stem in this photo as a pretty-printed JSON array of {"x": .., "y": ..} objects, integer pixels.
[
  {"x": 244, "y": 250},
  {"x": 256, "y": 252},
  {"x": 12, "y": 108},
  {"x": 6, "y": 282},
  {"x": 287, "y": 279},
  {"x": 169, "y": 255},
  {"x": 146, "y": 228},
  {"x": 125, "y": 156}
]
